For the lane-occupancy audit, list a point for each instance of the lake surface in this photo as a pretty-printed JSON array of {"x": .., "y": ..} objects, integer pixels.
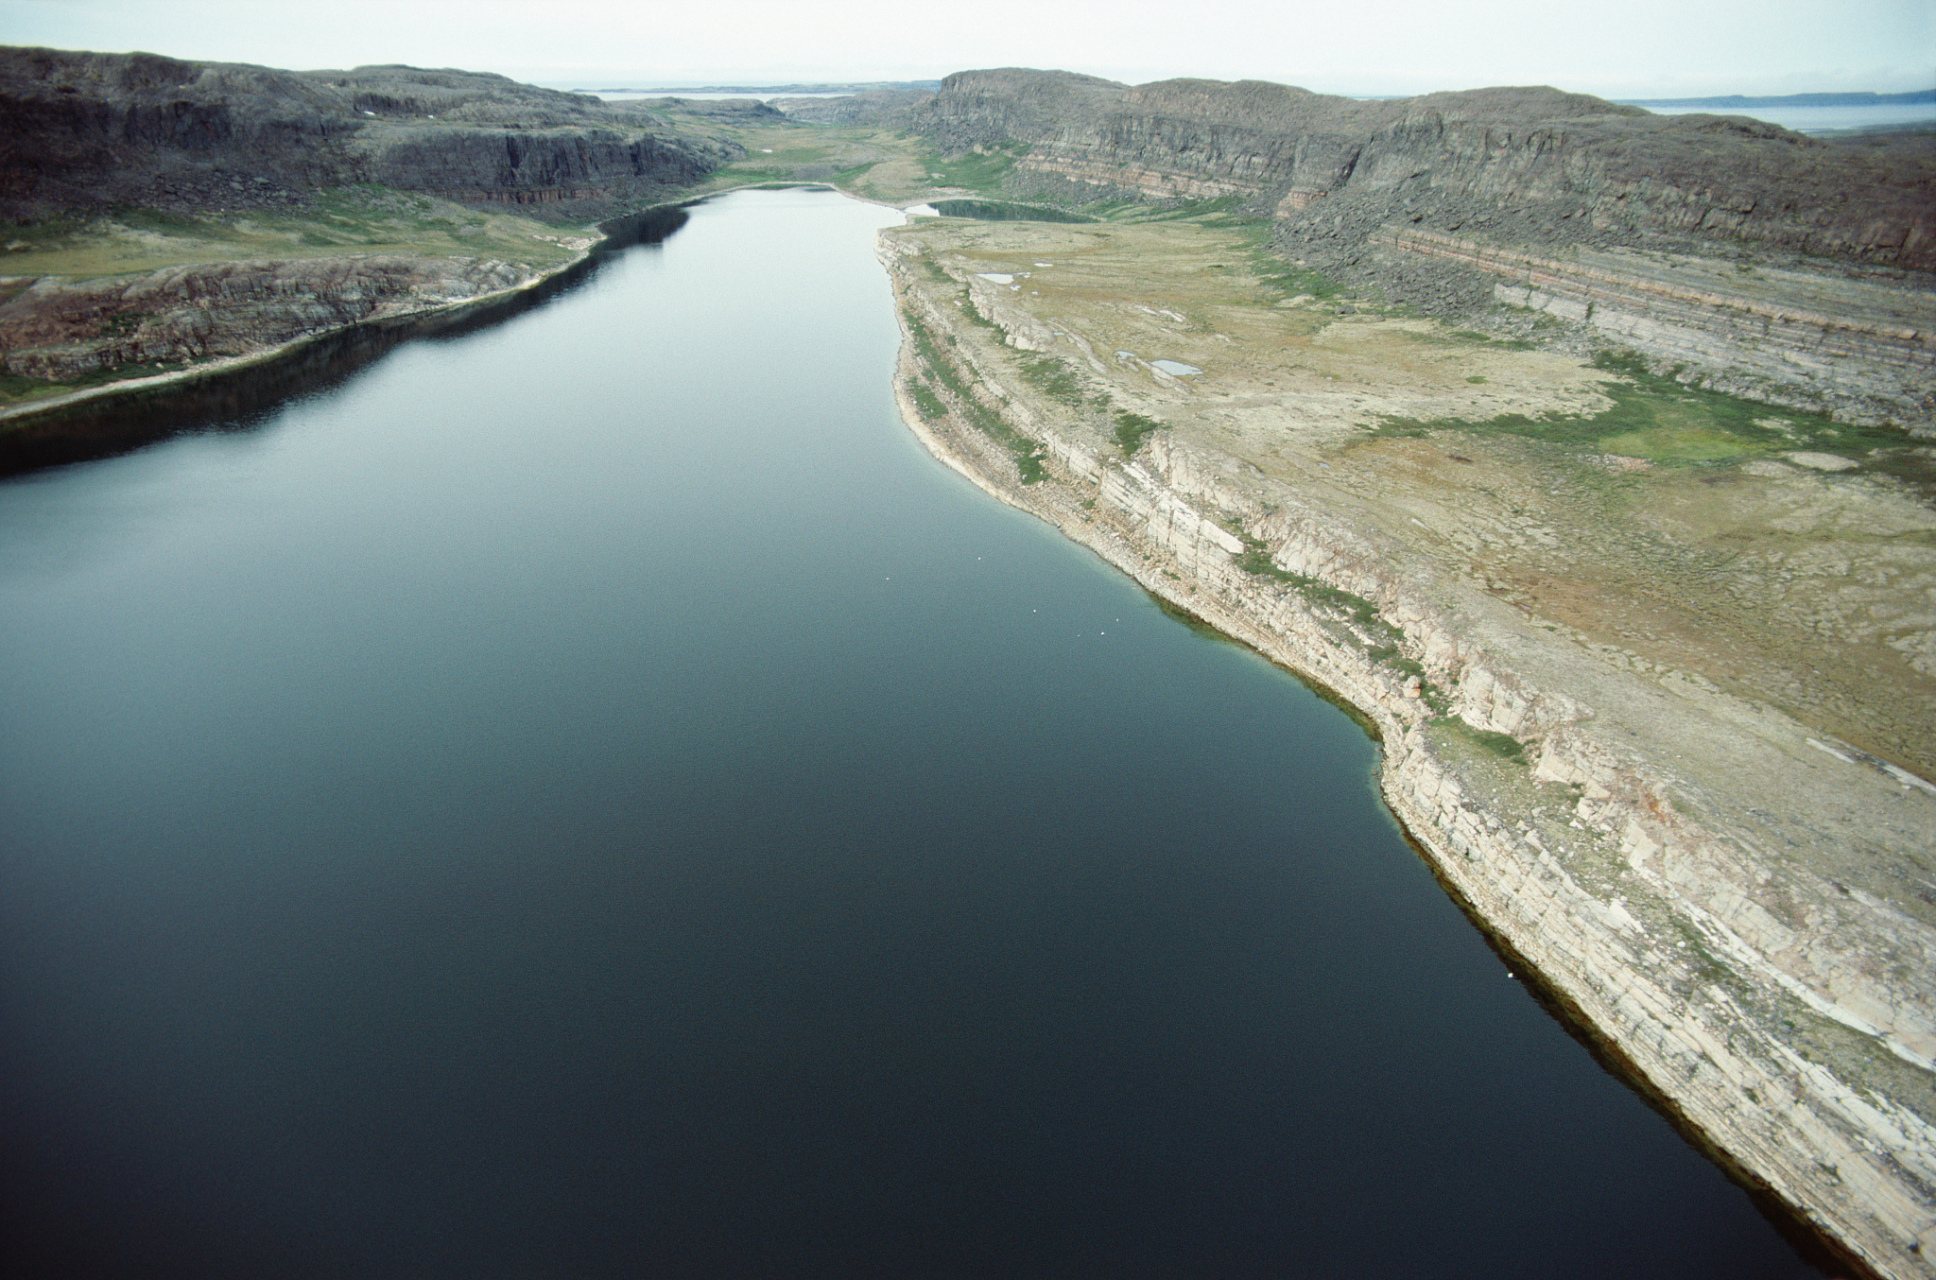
[
  {"x": 590, "y": 797},
  {"x": 1824, "y": 119}
]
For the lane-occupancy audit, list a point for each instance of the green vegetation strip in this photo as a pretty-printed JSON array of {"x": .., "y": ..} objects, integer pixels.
[
  {"x": 1054, "y": 378},
  {"x": 129, "y": 240},
  {"x": 1002, "y": 211},
  {"x": 975, "y": 171},
  {"x": 1383, "y": 639},
  {"x": 1503, "y": 745},
  {"x": 926, "y": 402},
  {"x": 1657, "y": 418},
  {"x": 1029, "y": 458}
]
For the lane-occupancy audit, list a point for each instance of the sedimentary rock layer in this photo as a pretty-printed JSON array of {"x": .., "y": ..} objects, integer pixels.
[
  {"x": 1618, "y": 170},
  {"x": 1643, "y": 856},
  {"x": 1580, "y": 208},
  {"x": 1861, "y": 349}
]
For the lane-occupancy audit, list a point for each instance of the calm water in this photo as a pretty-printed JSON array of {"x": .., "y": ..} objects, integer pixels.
[
  {"x": 1825, "y": 119},
  {"x": 590, "y": 797}
]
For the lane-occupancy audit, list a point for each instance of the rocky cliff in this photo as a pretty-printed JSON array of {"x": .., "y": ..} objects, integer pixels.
[
  {"x": 1620, "y": 171},
  {"x": 1736, "y": 902},
  {"x": 293, "y": 189},
  {"x": 90, "y": 130},
  {"x": 60, "y": 331},
  {"x": 1442, "y": 202}
]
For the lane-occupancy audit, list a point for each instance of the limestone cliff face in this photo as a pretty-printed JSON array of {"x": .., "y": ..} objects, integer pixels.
[
  {"x": 87, "y": 129},
  {"x": 1786, "y": 1017}
]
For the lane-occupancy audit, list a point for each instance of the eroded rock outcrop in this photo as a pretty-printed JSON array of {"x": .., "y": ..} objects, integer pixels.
[
  {"x": 1453, "y": 202},
  {"x": 1654, "y": 846},
  {"x": 86, "y": 130},
  {"x": 62, "y": 331}
]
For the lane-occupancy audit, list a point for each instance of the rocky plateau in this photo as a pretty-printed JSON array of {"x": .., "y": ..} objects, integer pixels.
[
  {"x": 1732, "y": 252},
  {"x": 1620, "y": 698}
]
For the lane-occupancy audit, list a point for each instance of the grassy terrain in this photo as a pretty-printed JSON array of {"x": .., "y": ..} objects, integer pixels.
[
  {"x": 344, "y": 220},
  {"x": 875, "y": 164},
  {"x": 976, "y": 171},
  {"x": 1661, "y": 420},
  {"x": 1006, "y": 211}
]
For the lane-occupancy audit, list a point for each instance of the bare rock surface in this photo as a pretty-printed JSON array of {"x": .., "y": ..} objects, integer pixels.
[
  {"x": 1665, "y": 727},
  {"x": 89, "y": 130},
  {"x": 60, "y": 331},
  {"x": 1732, "y": 252}
]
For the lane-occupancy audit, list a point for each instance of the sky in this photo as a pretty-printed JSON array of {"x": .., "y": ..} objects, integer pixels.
[{"x": 1631, "y": 49}]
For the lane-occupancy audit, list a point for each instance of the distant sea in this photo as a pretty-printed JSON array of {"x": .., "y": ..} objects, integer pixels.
[
  {"x": 1816, "y": 119},
  {"x": 1810, "y": 112},
  {"x": 1803, "y": 117}
]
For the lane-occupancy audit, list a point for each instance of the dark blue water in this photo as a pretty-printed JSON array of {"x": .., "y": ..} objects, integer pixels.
[{"x": 590, "y": 797}]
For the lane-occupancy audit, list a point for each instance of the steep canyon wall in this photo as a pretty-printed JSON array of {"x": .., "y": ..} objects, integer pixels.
[
  {"x": 90, "y": 130},
  {"x": 1626, "y": 224}
]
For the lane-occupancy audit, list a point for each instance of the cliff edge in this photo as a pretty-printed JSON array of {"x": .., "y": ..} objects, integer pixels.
[
  {"x": 89, "y": 131},
  {"x": 1607, "y": 714},
  {"x": 1729, "y": 252}
]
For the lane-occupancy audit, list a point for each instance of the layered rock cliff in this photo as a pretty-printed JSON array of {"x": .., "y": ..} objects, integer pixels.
[
  {"x": 1620, "y": 170},
  {"x": 1453, "y": 202},
  {"x": 89, "y": 130},
  {"x": 1734, "y": 900}
]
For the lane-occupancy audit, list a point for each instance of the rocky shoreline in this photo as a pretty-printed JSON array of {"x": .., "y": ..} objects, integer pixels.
[
  {"x": 308, "y": 318},
  {"x": 224, "y": 312},
  {"x": 1588, "y": 817},
  {"x": 1599, "y": 822},
  {"x": 262, "y": 315}
]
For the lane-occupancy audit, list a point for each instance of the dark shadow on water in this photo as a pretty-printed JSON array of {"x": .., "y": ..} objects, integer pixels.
[
  {"x": 244, "y": 399},
  {"x": 1814, "y": 1246},
  {"x": 1810, "y": 1243}
]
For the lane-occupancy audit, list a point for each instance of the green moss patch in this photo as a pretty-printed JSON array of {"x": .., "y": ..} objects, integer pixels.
[
  {"x": 1030, "y": 459},
  {"x": 1657, "y": 418},
  {"x": 1132, "y": 429}
]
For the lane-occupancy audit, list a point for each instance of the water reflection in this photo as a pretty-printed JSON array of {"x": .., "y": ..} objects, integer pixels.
[{"x": 243, "y": 399}]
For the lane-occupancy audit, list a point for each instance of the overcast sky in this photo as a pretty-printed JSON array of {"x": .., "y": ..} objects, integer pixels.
[{"x": 1634, "y": 48}]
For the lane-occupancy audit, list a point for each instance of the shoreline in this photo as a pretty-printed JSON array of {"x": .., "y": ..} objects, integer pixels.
[
  {"x": 1592, "y": 906},
  {"x": 429, "y": 316},
  {"x": 1634, "y": 916}
]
